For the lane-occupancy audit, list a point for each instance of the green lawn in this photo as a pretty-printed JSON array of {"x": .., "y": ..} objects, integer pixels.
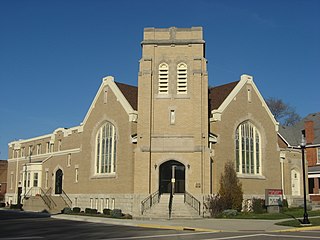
[
  {"x": 289, "y": 213},
  {"x": 296, "y": 223}
]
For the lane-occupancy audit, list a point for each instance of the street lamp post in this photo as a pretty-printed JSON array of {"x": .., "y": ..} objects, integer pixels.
[{"x": 305, "y": 214}]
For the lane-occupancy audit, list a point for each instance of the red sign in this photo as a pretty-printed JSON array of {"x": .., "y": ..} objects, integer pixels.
[{"x": 274, "y": 197}]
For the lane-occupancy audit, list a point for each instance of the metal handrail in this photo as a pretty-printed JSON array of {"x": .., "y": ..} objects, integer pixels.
[
  {"x": 38, "y": 191},
  {"x": 33, "y": 191},
  {"x": 47, "y": 199},
  {"x": 66, "y": 198},
  {"x": 192, "y": 201},
  {"x": 148, "y": 202},
  {"x": 170, "y": 204}
]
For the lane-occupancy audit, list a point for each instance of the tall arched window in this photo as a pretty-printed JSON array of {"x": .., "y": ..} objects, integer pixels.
[
  {"x": 248, "y": 149},
  {"x": 106, "y": 146},
  {"x": 163, "y": 75},
  {"x": 182, "y": 78}
]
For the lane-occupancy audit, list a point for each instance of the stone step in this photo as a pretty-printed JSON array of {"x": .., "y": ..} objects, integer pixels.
[
  {"x": 179, "y": 208},
  {"x": 37, "y": 204}
]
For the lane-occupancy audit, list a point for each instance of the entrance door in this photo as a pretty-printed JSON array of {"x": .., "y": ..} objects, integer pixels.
[
  {"x": 165, "y": 174},
  {"x": 295, "y": 182},
  {"x": 58, "y": 185}
]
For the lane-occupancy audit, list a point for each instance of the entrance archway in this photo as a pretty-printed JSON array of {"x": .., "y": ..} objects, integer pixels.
[
  {"x": 58, "y": 184},
  {"x": 166, "y": 170}
]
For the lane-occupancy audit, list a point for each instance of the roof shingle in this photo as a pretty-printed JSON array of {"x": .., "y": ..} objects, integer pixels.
[
  {"x": 218, "y": 94},
  {"x": 130, "y": 93}
]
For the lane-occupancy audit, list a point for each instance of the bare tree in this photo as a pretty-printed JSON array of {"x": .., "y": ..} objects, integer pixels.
[{"x": 283, "y": 112}]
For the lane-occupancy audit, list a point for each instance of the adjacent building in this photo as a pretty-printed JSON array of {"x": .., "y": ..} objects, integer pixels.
[
  {"x": 3, "y": 179},
  {"x": 311, "y": 126}
]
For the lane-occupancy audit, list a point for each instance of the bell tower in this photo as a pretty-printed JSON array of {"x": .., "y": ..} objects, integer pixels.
[{"x": 172, "y": 108}]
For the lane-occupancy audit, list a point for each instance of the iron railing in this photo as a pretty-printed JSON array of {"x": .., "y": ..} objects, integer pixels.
[
  {"x": 47, "y": 199},
  {"x": 66, "y": 198},
  {"x": 33, "y": 191},
  {"x": 37, "y": 191},
  {"x": 170, "y": 204},
  {"x": 193, "y": 202},
  {"x": 148, "y": 202}
]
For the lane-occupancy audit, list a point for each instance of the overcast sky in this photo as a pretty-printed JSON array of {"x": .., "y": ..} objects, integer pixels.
[{"x": 54, "y": 53}]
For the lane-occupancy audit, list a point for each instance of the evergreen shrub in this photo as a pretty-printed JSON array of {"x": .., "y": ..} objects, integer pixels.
[
  {"x": 116, "y": 213},
  {"x": 107, "y": 211},
  {"x": 76, "y": 210}
]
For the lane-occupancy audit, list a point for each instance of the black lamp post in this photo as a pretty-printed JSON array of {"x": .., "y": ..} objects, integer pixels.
[{"x": 303, "y": 146}]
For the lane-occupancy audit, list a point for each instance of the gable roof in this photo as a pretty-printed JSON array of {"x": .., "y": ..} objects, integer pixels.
[
  {"x": 121, "y": 97},
  {"x": 130, "y": 93},
  {"x": 292, "y": 134},
  {"x": 218, "y": 94},
  {"x": 229, "y": 91}
]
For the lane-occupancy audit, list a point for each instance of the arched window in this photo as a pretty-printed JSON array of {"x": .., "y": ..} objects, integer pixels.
[
  {"x": 182, "y": 78},
  {"x": 248, "y": 149},
  {"x": 106, "y": 146},
  {"x": 163, "y": 84}
]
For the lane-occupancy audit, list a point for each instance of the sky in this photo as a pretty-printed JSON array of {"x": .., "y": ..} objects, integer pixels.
[{"x": 54, "y": 53}]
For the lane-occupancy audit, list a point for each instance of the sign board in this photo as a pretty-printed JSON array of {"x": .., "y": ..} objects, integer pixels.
[{"x": 274, "y": 197}]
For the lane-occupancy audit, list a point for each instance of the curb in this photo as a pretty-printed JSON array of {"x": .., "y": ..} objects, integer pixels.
[
  {"x": 125, "y": 223},
  {"x": 299, "y": 229},
  {"x": 178, "y": 228}
]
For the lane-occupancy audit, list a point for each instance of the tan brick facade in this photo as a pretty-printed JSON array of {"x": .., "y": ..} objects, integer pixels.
[{"x": 156, "y": 132}]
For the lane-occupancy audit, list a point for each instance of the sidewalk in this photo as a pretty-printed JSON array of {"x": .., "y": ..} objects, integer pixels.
[{"x": 205, "y": 224}]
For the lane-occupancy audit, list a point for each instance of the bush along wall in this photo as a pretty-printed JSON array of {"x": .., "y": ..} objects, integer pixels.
[{"x": 115, "y": 213}]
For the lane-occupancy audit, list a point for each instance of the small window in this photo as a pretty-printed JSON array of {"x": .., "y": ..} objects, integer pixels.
[
  {"x": 38, "y": 149},
  {"x": 69, "y": 160},
  {"x": 97, "y": 203},
  {"x": 47, "y": 147},
  {"x": 172, "y": 117},
  {"x": 105, "y": 95},
  {"x": 107, "y": 203},
  {"x": 163, "y": 75},
  {"x": 23, "y": 151},
  {"x": 249, "y": 94},
  {"x": 51, "y": 147},
  {"x": 182, "y": 78},
  {"x": 101, "y": 205},
  {"x": 318, "y": 160},
  {"x": 113, "y": 203},
  {"x": 35, "y": 179},
  {"x": 91, "y": 202},
  {"x": 77, "y": 175},
  {"x": 30, "y": 150},
  {"x": 59, "y": 145}
]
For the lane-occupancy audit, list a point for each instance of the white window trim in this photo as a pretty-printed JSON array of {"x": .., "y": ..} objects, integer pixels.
[
  {"x": 163, "y": 79},
  {"x": 112, "y": 152},
  {"x": 76, "y": 175},
  {"x": 240, "y": 171},
  {"x": 182, "y": 78}
]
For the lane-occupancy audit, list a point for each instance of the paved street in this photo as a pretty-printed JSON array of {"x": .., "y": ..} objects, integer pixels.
[{"x": 16, "y": 225}]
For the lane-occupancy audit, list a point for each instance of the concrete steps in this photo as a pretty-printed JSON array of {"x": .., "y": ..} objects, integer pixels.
[
  {"x": 179, "y": 209},
  {"x": 37, "y": 204}
]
